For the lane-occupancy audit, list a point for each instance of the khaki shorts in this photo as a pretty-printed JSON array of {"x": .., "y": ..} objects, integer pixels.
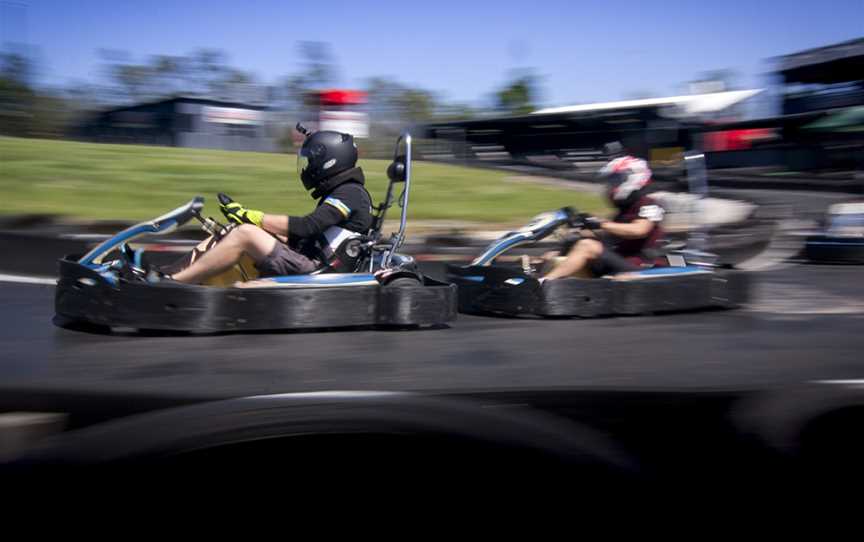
[{"x": 285, "y": 261}]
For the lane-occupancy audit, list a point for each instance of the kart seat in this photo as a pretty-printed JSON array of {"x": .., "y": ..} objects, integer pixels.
[
  {"x": 672, "y": 251},
  {"x": 346, "y": 257}
]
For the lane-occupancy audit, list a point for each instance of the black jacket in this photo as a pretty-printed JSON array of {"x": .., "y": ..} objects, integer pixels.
[{"x": 346, "y": 204}]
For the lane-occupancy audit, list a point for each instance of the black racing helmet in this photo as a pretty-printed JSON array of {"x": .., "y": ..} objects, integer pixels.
[{"x": 323, "y": 155}]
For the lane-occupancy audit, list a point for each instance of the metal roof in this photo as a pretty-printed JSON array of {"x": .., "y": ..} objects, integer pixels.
[{"x": 692, "y": 104}]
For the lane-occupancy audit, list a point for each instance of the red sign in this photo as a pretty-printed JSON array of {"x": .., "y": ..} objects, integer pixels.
[
  {"x": 342, "y": 97},
  {"x": 735, "y": 140}
]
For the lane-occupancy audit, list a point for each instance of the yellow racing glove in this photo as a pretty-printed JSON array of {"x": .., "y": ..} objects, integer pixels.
[{"x": 238, "y": 214}]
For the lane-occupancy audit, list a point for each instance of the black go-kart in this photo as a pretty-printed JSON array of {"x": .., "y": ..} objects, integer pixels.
[
  {"x": 690, "y": 280},
  {"x": 372, "y": 285},
  {"x": 842, "y": 239}
]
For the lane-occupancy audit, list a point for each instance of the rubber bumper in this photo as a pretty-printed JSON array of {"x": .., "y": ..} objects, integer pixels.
[
  {"x": 82, "y": 296},
  {"x": 828, "y": 249},
  {"x": 508, "y": 291}
]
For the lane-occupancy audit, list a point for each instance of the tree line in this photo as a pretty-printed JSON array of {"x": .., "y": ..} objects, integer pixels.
[{"x": 28, "y": 110}]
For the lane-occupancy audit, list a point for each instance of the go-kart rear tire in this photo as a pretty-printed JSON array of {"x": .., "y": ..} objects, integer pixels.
[{"x": 403, "y": 282}]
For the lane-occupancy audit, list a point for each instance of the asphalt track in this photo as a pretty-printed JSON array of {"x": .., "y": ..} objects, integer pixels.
[{"x": 804, "y": 324}]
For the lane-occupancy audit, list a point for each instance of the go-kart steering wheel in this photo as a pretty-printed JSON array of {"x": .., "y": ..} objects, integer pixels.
[{"x": 211, "y": 225}]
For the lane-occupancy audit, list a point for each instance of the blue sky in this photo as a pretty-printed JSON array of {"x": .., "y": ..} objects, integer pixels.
[{"x": 584, "y": 51}]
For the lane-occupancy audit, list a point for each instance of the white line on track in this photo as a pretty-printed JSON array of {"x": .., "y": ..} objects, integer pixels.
[
  {"x": 24, "y": 279},
  {"x": 335, "y": 394},
  {"x": 850, "y": 382}
]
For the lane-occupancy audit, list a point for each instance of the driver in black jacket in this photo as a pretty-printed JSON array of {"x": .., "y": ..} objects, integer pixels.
[{"x": 290, "y": 245}]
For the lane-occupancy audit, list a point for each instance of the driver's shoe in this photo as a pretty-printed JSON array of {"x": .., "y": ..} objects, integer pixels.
[
  {"x": 135, "y": 267},
  {"x": 154, "y": 276},
  {"x": 539, "y": 267},
  {"x": 530, "y": 267}
]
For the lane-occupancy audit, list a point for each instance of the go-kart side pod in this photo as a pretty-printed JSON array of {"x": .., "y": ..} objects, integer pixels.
[
  {"x": 842, "y": 241},
  {"x": 508, "y": 291},
  {"x": 334, "y": 300},
  {"x": 834, "y": 249}
]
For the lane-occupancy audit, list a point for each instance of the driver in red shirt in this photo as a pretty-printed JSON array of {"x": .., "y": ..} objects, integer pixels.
[{"x": 626, "y": 242}]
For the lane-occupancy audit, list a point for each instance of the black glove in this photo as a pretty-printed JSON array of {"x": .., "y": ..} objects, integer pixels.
[{"x": 591, "y": 222}]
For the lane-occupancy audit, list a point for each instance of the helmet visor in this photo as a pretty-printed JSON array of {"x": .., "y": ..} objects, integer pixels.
[
  {"x": 613, "y": 183},
  {"x": 302, "y": 164}
]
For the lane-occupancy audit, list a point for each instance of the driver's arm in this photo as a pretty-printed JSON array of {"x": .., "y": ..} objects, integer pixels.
[
  {"x": 277, "y": 225},
  {"x": 330, "y": 213},
  {"x": 637, "y": 229},
  {"x": 302, "y": 226}
]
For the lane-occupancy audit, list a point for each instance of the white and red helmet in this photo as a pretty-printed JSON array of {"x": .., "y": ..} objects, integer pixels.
[{"x": 626, "y": 177}]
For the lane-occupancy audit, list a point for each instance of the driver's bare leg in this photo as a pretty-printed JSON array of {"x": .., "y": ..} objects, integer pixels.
[
  {"x": 583, "y": 252},
  {"x": 189, "y": 258},
  {"x": 244, "y": 239},
  {"x": 204, "y": 245}
]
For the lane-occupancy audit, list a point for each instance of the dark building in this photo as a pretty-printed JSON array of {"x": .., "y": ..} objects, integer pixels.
[
  {"x": 821, "y": 128},
  {"x": 824, "y": 78},
  {"x": 184, "y": 122},
  {"x": 657, "y": 129}
]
